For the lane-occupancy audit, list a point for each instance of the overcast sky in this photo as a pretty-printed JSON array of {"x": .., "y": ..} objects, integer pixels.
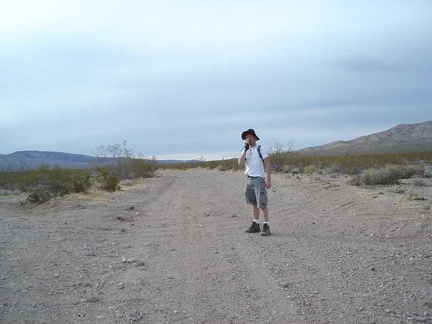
[{"x": 183, "y": 79}]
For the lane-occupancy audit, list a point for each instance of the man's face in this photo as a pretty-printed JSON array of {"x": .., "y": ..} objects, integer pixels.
[{"x": 250, "y": 139}]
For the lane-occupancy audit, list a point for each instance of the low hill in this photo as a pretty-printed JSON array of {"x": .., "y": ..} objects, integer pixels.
[
  {"x": 404, "y": 138},
  {"x": 33, "y": 159}
]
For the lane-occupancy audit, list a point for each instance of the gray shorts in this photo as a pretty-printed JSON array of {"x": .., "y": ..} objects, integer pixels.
[{"x": 256, "y": 192}]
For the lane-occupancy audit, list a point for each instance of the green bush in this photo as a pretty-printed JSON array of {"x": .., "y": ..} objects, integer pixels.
[
  {"x": 387, "y": 175},
  {"x": 141, "y": 168},
  {"x": 45, "y": 182},
  {"x": 223, "y": 167},
  {"x": 82, "y": 183},
  {"x": 39, "y": 195},
  {"x": 109, "y": 181}
]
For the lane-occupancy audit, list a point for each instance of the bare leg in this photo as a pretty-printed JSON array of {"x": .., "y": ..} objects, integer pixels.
[
  {"x": 265, "y": 214},
  {"x": 256, "y": 211}
]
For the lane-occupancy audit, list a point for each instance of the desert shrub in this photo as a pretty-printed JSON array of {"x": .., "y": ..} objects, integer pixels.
[
  {"x": 109, "y": 181},
  {"x": 223, "y": 167},
  {"x": 141, "y": 168},
  {"x": 231, "y": 164},
  {"x": 9, "y": 180},
  {"x": 5, "y": 192},
  {"x": 45, "y": 182},
  {"x": 119, "y": 160},
  {"x": 419, "y": 183},
  {"x": 355, "y": 180},
  {"x": 286, "y": 168},
  {"x": 39, "y": 195},
  {"x": 427, "y": 171},
  {"x": 279, "y": 155},
  {"x": 387, "y": 175},
  {"x": 211, "y": 165},
  {"x": 82, "y": 183},
  {"x": 309, "y": 169}
]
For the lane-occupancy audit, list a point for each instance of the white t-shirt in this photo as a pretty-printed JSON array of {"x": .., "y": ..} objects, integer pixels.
[{"x": 254, "y": 164}]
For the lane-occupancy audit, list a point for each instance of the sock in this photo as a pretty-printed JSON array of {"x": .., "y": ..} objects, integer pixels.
[
  {"x": 256, "y": 221},
  {"x": 265, "y": 223}
]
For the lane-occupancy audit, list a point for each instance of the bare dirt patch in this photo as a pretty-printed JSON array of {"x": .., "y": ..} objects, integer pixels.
[{"x": 173, "y": 249}]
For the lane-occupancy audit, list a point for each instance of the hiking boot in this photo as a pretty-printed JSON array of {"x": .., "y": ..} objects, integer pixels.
[
  {"x": 254, "y": 228},
  {"x": 265, "y": 230}
]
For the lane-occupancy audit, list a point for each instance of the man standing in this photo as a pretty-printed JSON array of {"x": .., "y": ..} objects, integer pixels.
[{"x": 258, "y": 179}]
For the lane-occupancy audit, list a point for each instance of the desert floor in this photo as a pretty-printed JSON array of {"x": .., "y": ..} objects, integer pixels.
[{"x": 173, "y": 249}]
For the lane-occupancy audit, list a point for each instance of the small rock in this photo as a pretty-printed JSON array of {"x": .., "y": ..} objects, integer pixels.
[
  {"x": 93, "y": 299},
  {"x": 421, "y": 319},
  {"x": 124, "y": 260}
]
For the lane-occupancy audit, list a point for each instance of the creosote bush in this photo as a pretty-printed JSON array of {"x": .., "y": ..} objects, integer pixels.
[
  {"x": 45, "y": 182},
  {"x": 109, "y": 181},
  {"x": 279, "y": 155},
  {"x": 120, "y": 161},
  {"x": 387, "y": 175}
]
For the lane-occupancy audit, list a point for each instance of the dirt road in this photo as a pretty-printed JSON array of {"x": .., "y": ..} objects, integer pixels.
[{"x": 174, "y": 250}]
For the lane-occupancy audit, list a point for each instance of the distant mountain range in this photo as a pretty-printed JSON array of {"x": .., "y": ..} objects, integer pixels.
[
  {"x": 402, "y": 138},
  {"x": 33, "y": 159}
]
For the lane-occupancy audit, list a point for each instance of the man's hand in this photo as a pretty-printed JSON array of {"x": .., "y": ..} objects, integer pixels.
[
  {"x": 268, "y": 184},
  {"x": 246, "y": 147}
]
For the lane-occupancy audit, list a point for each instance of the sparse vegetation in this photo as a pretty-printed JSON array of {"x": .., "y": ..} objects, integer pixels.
[
  {"x": 286, "y": 161},
  {"x": 419, "y": 182},
  {"x": 116, "y": 163},
  {"x": 387, "y": 175},
  {"x": 45, "y": 182},
  {"x": 279, "y": 155},
  {"x": 120, "y": 161}
]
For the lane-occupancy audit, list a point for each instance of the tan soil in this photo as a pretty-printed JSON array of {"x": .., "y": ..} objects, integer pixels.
[{"x": 172, "y": 249}]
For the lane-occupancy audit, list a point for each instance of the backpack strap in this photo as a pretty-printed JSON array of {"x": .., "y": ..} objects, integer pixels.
[{"x": 259, "y": 153}]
